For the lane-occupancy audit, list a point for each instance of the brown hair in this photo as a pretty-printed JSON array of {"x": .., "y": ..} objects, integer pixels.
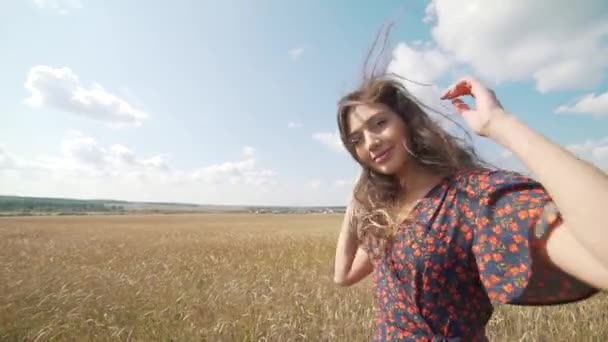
[{"x": 375, "y": 195}]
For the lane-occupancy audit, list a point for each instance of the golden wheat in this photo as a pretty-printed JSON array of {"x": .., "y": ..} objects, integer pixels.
[{"x": 210, "y": 278}]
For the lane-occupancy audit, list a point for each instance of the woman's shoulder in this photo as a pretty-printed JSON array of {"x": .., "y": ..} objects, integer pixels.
[
  {"x": 485, "y": 173},
  {"x": 478, "y": 181}
]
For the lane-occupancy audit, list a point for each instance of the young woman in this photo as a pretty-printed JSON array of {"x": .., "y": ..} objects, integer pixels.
[{"x": 446, "y": 236}]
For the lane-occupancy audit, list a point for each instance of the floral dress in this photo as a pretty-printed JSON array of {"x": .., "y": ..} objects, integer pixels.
[{"x": 477, "y": 239}]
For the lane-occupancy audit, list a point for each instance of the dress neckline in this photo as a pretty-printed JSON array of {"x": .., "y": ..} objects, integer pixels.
[{"x": 429, "y": 195}]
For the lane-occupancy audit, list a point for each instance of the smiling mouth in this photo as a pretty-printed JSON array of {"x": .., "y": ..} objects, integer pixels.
[{"x": 382, "y": 157}]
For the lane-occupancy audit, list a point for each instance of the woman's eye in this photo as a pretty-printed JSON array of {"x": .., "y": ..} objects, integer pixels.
[
  {"x": 354, "y": 141},
  {"x": 380, "y": 122}
]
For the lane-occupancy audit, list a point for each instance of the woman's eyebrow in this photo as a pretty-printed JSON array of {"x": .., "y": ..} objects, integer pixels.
[{"x": 366, "y": 122}]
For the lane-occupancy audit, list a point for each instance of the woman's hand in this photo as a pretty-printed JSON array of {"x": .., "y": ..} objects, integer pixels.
[
  {"x": 487, "y": 111},
  {"x": 352, "y": 263}
]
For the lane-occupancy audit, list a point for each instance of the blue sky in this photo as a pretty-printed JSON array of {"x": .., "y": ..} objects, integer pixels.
[{"x": 233, "y": 102}]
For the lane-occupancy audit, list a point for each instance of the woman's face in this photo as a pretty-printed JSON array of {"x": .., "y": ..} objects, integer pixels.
[{"x": 379, "y": 137}]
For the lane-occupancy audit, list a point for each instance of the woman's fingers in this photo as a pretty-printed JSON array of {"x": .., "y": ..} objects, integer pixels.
[
  {"x": 460, "y": 105},
  {"x": 462, "y": 87},
  {"x": 459, "y": 89}
]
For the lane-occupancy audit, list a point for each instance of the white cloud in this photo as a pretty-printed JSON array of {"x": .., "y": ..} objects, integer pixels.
[
  {"x": 83, "y": 156},
  {"x": 7, "y": 161},
  {"x": 423, "y": 64},
  {"x": 331, "y": 140},
  {"x": 156, "y": 163},
  {"x": 506, "y": 154},
  {"x": 60, "y": 88},
  {"x": 595, "y": 151},
  {"x": 600, "y": 153},
  {"x": 84, "y": 168},
  {"x": 418, "y": 67},
  {"x": 248, "y": 151},
  {"x": 429, "y": 13},
  {"x": 239, "y": 172},
  {"x": 293, "y": 124},
  {"x": 344, "y": 182},
  {"x": 558, "y": 44},
  {"x": 315, "y": 184},
  {"x": 61, "y": 6},
  {"x": 123, "y": 155},
  {"x": 296, "y": 53},
  {"x": 589, "y": 104},
  {"x": 84, "y": 150}
]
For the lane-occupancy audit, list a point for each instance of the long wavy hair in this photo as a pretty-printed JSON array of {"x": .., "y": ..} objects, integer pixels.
[{"x": 375, "y": 196}]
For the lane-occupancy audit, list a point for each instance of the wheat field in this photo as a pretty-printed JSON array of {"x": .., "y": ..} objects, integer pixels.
[{"x": 209, "y": 277}]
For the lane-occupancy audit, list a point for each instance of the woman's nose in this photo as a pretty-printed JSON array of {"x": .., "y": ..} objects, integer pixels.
[{"x": 372, "y": 142}]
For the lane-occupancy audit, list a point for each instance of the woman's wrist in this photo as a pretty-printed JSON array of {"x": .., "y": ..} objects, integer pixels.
[{"x": 501, "y": 127}]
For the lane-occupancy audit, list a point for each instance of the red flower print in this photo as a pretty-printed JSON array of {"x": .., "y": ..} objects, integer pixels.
[
  {"x": 484, "y": 221},
  {"x": 494, "y": 240},
  {"x": 523, "y": 214},
  {"x": 497, "y": 229}
]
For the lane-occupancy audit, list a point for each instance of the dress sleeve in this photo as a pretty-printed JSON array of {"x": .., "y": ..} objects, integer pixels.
[{"x": 514, "y": 218}]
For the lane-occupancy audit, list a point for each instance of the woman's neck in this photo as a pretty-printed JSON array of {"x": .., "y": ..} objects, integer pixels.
[{"x": 417, "y": 180}]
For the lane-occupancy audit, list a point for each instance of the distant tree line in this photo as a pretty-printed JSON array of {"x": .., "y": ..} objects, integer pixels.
[{"x": 34, "y": 204}]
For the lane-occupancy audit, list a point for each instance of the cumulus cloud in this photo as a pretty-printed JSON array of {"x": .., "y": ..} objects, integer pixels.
[
  {"x": 504, "y": 154},
  {"x": 244, "y": 171},
  {"x": 84, "y": 167},
  {"x": 85, "y": 150},
  {"x": 331, "y": 140},
  {"x": 345, "y": 182},
  {"x": 7, "y": 161},
  {"x": 595, "y": 151},
  {"x": 61, "y": 6},
  {"x": 551, "y": 43},
  {"x": 588, "y": 104},
  {"x": 422, "y": 63},
  {"x": 296, "y": 53},
  {"x": 248, "y": 151},
  {"x": 419, "y": 67},
  {"x": 10, "y": 161},
  {"x": 315, "y": 184},
  {"x": 61, "y": 89},
  {"x": 558, "y": 45},
  {"x": 83, "y": 157}
]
